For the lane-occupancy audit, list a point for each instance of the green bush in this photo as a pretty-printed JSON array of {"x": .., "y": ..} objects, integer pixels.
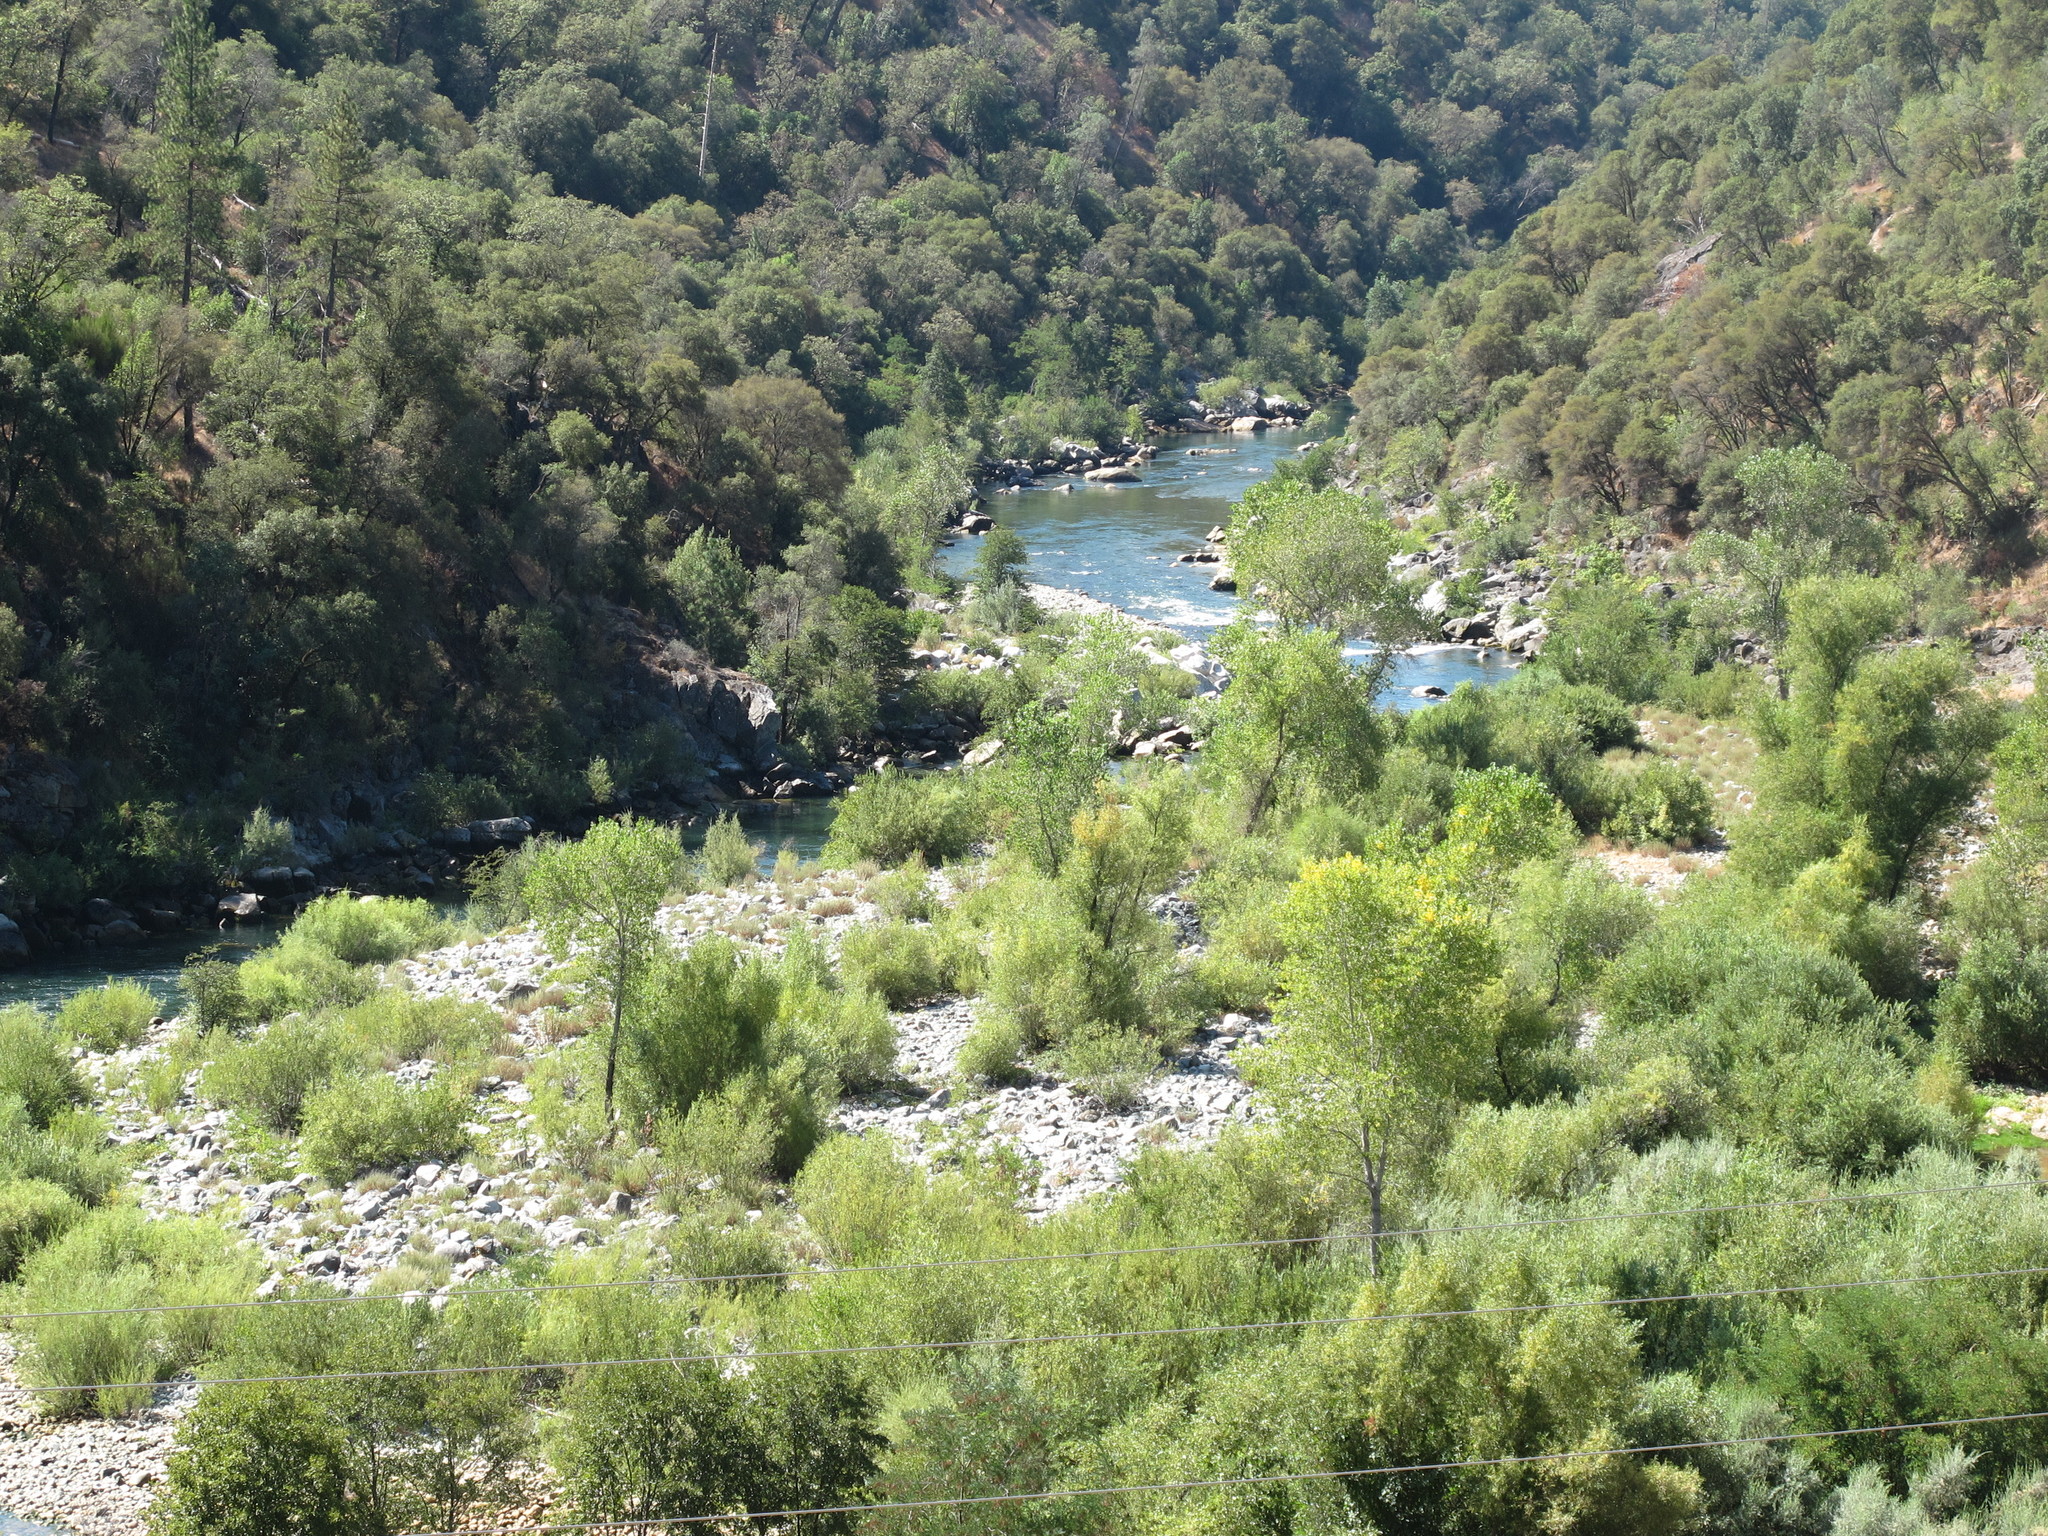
[
  {"x": 645, "y": 1442},
  {"x": 111, "y": 1260},
  {"x": 396, "y": 1025},
  {"x": 729, "y": 856},
  {"x": 72, "y": 1151},
  {"x": 993, "y": 1051},
  {"x": 35, "y": 1065},
  {"x": 367, "y": 930},
  {"x": 258, "y": 1460},
  {"x": 319, "y": 963},
  {"x": 300, "y": 980},
  {"x": 890, "y": 816},
  {"x": 1662, "y": 802},
  {"x": 728, "y": 1135},
  {"x": 1054, "y": 978},
  {"x": 755, "y": 1124},
  {"x": 109, "y": 1018},
  {"x": 269, "y": 1076},
  {"x": 32, "y": 1213},
  {"x": 906, "y": 893},
  {"x": 497, "y": 886},
  {"x": 702, "y": 1020},
  {"x": 219, "y": 1000},
  {"x": 900, "y": 962},
  {"x": 1993, "y": 1014},
  {"x": 378, "y": 1122},
  {"x": 848, "y": 1034},
  {"x": 1113, "y": 1065}
]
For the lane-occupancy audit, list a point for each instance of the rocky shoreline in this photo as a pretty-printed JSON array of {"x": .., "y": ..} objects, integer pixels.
[{"x": 445, "y": 1222}]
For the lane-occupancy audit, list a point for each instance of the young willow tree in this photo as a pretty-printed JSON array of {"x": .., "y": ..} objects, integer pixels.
[
  {"x": 1318, "y": 560},
  {"x": 1383, "y": 962},
  {"x": 601, "y": 894}
]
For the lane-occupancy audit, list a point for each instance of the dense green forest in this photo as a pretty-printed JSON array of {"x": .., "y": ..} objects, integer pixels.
[{"x": 371, "y": 372}]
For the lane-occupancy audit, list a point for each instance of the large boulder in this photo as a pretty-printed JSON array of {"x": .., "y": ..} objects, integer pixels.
[
  {"x": 13, "y": 942},
  {"x": 499, "y": 832},
  {"x": 1114, "y": 474}
]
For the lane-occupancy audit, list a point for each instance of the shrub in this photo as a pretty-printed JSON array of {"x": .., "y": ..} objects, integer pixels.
[
  {"x": 378, "y": 1122},
  {"x": 729, "y": 856},
  {"x": 32, "y": 1212},
  {"x": 319, "y": 961},
  {"x": 269, "y": 1077},
  {"x": 219, "y": 1000},
  {"x": 1994, "y": 1013},
  {"x": 35, "y": 1066},
  {"x": 703, "y": 1019},
  {"x": 299, "y": 980},
  {"x": 109, "y": 1018},
  {"x": 993, "y": 1051},
  {"x": 728, "y": 1135},
  {"x": 848, "y": 1034},
  {"x": 253, "y": 1460},
  {"x": 889, "y": 816},
  {"x": 497, "y": 886},
  {"x": 397, "y": 1025},
  {"x": 266, "y": 839},
  {"x": 1663, "y": 802},
  {"x": 1114, "y": 1066},
  {"x": 72, "y": 1151},
  {"x": 118, "y": 1258},
  {"x": 370, "y": 930},
  {"x": 906, "y": 893},
  {"x": 1051, "y": 975},
  {"x": 899, "y": 961},
  {"x": 644, "y": 1442}
]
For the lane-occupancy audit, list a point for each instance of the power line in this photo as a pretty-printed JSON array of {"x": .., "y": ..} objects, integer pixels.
[
  {"x": 12, "y": 1318},
  {"x": 1058, "y": 1338},
  {"x": 1192, "y": 1484}
]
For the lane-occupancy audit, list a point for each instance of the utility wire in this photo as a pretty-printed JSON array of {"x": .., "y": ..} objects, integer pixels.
[
  {"x": 11, "y": 1318},
  {"x": 1057, "y": 1338},
  {"x": 1240, "y": 1482}
]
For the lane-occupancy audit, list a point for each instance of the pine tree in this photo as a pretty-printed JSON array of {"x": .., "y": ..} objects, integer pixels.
[
  {"x": 188, "y": 174},
  {"x": 336, "y": 201}
]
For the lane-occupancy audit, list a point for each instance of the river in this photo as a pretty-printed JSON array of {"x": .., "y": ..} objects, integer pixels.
[
  {"x": 1118, "y": 543},
  {"x": 156, "y": 962}
]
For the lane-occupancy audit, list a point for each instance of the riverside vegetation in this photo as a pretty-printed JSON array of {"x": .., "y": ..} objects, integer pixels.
[
  {"x": 376, "y": 383},
  {"x": 1473, "y": 1023},
  {"x": 377, "y": 380}
]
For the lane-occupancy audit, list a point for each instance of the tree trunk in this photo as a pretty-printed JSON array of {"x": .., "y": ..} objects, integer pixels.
[
  {"x": 611, "y": 1056},
  {"x": 704, "y": 136},
  {"x": 57, "y": 91}
]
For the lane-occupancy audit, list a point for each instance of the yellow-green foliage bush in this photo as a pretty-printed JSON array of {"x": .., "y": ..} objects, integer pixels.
[
  {"x": 32, "y": 1212},
  {"x": 269, "y": 1076},
  {"x": 379, "y": 1122},
  {"x": 319, "y": 961},
  {"x": 118, "y": 1258},
  {"x": 891, "y": 816},
  {"x": 72, "y": 1151},
  {"x": 35, "y": 1065},
  {"x": 902, "y": 962},
  {"x": 394, "y": 1025},
  {"x": 109, "y": 1018}
]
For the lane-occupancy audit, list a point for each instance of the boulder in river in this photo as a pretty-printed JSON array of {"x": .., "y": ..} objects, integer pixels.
[
  {"x": 1114, "y": 474},
  {"x": 13, "y": 942}
]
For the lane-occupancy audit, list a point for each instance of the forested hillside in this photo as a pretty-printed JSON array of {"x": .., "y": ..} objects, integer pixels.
[
  {"x": 362, "y": 362},
  {"x": 1841, "y": 249}
]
